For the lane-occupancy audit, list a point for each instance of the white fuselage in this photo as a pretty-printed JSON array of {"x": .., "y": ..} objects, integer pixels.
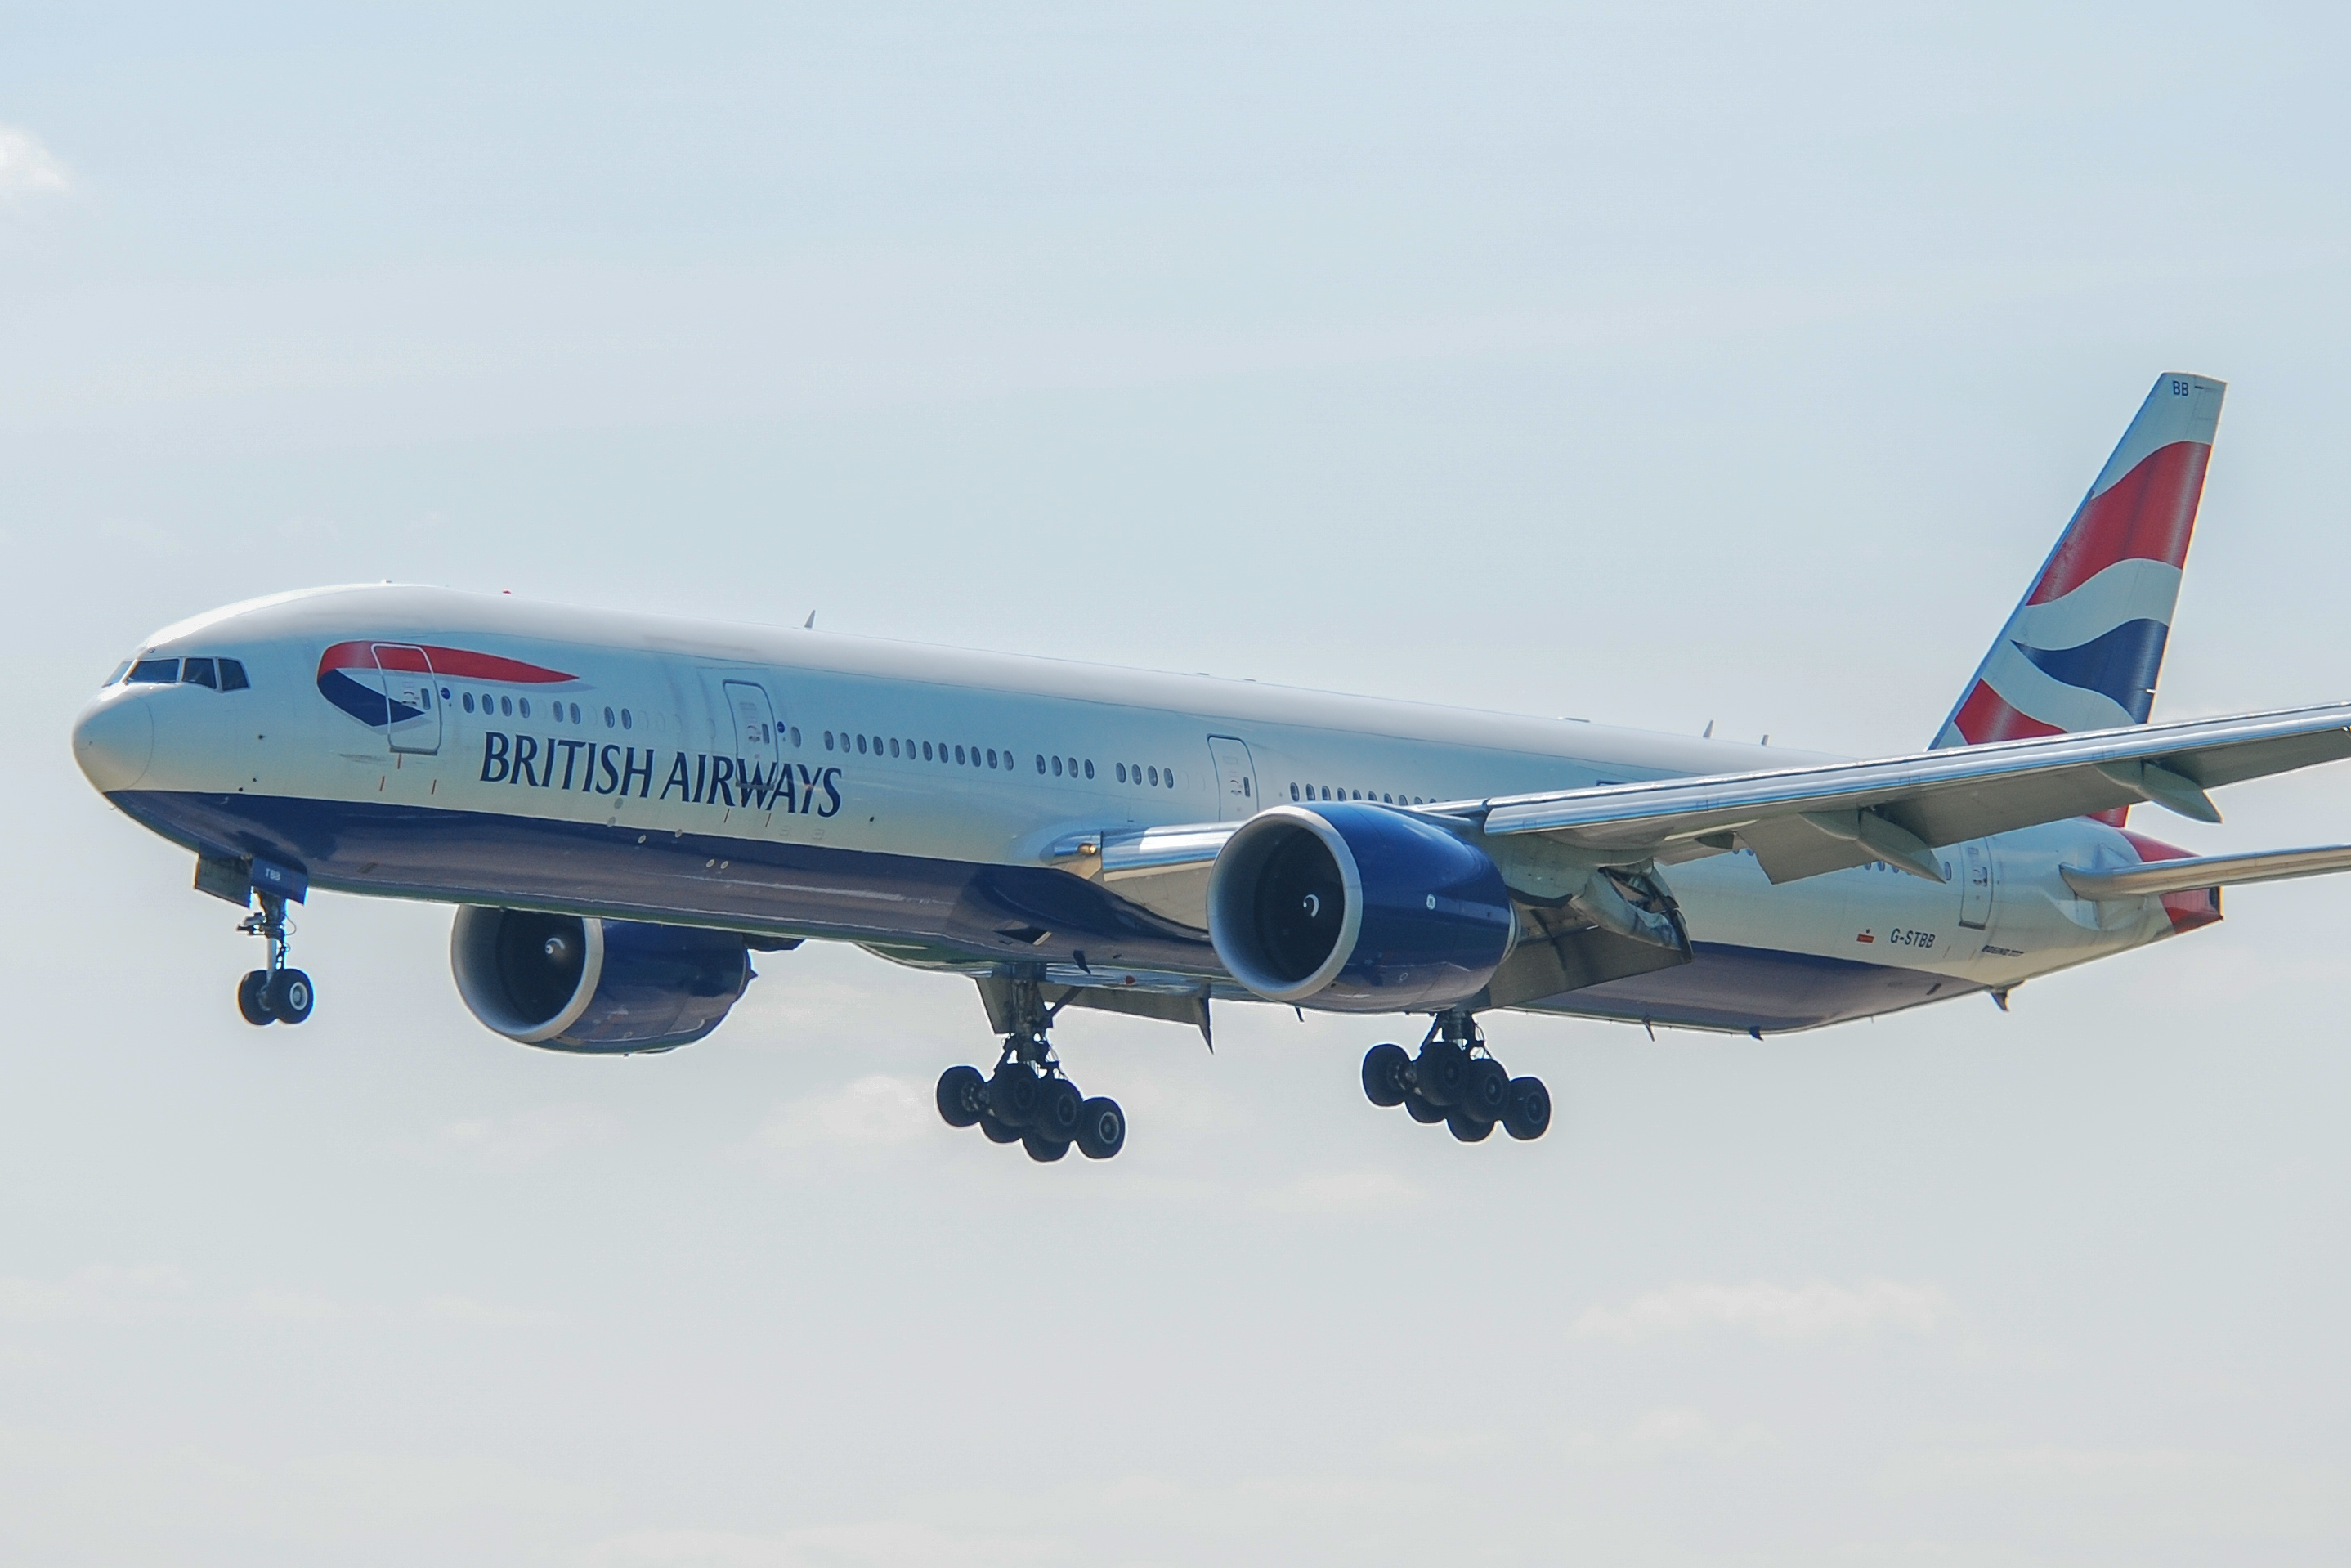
[{"x": 880, "y": 834}]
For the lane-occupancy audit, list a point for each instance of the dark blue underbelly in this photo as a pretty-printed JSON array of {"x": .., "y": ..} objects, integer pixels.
[
  {"x": 978, "y": 913},
  {"x": 957, "y": 911}
]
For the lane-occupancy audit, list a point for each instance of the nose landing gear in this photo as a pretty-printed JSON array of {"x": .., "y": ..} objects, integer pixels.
[
  {"x": 1454, "y": 1080},
  {"x": 1028, "y": 1099},
  {"x": 277, "y": 994}
]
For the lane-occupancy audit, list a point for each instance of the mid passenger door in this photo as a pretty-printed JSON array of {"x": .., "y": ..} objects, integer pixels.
[
  {"x": 1236, "y": 778},
  {"x": 411, "y": 711},
  {"x": 745, "y": 726}
]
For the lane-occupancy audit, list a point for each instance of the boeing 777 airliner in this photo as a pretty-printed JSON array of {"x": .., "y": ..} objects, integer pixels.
[{"x": 623, "y": 808}]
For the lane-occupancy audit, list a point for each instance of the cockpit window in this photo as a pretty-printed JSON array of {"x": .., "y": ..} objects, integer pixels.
[
  {"x": 199, "y": 673},
  {"x": 154, "y": 672},
  {"x": 120, "y": 670},
  {"x": 232, "y": 675}
]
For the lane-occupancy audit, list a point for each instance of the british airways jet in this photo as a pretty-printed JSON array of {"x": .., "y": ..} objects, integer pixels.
[{"x": 624, "y": 807}]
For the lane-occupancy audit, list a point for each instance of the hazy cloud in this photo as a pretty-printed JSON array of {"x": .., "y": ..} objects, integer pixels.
[
  {"x": 885, "y": 1545},
  {"x": 95, "y": 1294},
  {"x": 1346, "y": 1192},
  {"x": 27, "y": 167},
  {"x": 450, "y": 1309},
  {"x": 1778, "y": 1312},
  {"x": 875, "y": 1109},
  {"x": 527, "y": 1137}
]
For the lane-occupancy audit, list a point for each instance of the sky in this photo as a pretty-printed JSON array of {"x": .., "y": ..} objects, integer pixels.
[{"x": 1655, "y": 365}]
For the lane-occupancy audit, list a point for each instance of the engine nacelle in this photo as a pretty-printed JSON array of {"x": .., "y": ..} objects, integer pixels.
[
  {"x": 571, "y": 984},
  {"x": 1359, "y": 908}
]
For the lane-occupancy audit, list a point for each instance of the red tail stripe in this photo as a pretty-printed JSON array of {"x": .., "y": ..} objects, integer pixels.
[
  {"x": 1987, "y": 715},
  {"x": 460, "y": 664},
  {"x": 2146, "y": 514},
  {"x": 2189, "y": 907}
]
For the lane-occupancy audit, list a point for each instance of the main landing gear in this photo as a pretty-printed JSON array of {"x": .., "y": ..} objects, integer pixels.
[
  {"x": 1456, "y": 1081},
  {"x": 277, "y": 994},
  {"x": 1028, "y": 1099}
]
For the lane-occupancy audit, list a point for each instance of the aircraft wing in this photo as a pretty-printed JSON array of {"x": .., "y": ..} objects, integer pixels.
[{"x": 1802, "y": 822}]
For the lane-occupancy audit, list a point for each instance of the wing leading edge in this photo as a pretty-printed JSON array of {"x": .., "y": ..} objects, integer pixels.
[{"x": 1802, "y": 821}]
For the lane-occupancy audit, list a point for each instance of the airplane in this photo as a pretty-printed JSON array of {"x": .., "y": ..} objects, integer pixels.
[{"x": 636, "y": 804}]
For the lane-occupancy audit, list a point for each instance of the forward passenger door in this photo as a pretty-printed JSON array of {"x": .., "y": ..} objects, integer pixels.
[{"x": 1236, "y": 778}]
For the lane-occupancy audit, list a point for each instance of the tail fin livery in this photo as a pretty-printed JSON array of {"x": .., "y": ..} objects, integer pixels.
[{"x": 2082, "y": 651}]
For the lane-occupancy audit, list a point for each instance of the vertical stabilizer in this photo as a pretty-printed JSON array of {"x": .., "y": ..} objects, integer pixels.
[{"x": 2082, "y": 651}]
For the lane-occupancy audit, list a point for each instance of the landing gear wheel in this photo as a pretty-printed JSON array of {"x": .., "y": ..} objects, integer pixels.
[
  {"x": 1487, "y": 1090},
  {"x": 1101, "y": 1128},
  {"x": 1527, "y": 1112},
  {"x": 1059, "y": 1109},
  {"x": 997, "y": 1132},
  {"x": 1385, "y": 1067},
  {"x": 962, "y": 1096},
  {"x": 252, "y": 1000},
  {"x": 1442, "y": 1073},
  {"x": 1468, "y": 1128},
  {"x": 1042, "y": 1149},
  {"x": 1421, "y": 1111},
  {"x": 288, "y": 996},
  {"x": 1013, "y": 1094}
]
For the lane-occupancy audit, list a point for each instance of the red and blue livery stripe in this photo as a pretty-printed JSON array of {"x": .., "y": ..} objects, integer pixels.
[{"x": 360, "y": 677}]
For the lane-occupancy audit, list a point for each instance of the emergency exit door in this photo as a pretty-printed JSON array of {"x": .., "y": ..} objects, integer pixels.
[{"x": 1236, "y": 778}]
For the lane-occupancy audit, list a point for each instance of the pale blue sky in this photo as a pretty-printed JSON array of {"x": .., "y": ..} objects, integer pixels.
[{"x": 1719, "y": 363}]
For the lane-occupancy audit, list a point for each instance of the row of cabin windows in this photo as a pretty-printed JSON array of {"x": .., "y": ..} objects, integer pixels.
[
  {"x": 219, "y": 674},
  {"x": 1330, "y": 792},
  {"x": 942, "y": 751},
  {"x": 507, "y": 705},
  {"x": 989, "y": 757}
]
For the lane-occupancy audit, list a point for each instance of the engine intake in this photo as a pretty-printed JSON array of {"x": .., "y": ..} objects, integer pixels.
[
  {"x": 567, "y": 983},
  {"x": 1361, "y": 908}
]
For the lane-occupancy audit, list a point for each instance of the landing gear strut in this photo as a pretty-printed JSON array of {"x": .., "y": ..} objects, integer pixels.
[
  {"x": 277, "y": 994},
  {"x": 1456, "y": 1081},
  {"x": 1028, "y": 1099}
]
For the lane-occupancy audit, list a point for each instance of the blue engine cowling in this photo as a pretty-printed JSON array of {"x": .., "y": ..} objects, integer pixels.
[
  {"x": 571, "y": 984},
  {"x": 1358, "y": 908}
]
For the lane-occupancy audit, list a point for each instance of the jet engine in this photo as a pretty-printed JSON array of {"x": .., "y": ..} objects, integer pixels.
[
  {"x": 1359, "y": 908},
  {"x": 567, "y": 983}
]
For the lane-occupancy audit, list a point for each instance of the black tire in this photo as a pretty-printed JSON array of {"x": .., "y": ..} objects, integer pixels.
[
  {"x": 1528, "y": 1114},
  {"x": 1441, "y": 1073},
  {"x": 1013, "y": 1092},
  {"x": 1468, "y": 1128},
  {"x": 1044, "y": 1150},
  {"x": 997, "y": 1132},
  {"x": 1060, "y": 1108},
  {"x": 1101, "y": 1128},
  {"x": 962, "y": 1096},
  {"x": 1489, "y": 1089},
  {"x": 1384, "y": 1070},
  {"x": 253, "y": 999},
  {"x": 289, "y": 996},
  {"x": 1421, "y": 1111}
]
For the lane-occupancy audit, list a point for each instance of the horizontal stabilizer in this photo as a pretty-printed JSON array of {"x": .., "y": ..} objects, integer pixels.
[{"x": 2159, "y": 877}]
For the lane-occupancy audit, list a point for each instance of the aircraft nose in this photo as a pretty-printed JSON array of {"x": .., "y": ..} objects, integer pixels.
[{"x": 114, "y": 739}]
